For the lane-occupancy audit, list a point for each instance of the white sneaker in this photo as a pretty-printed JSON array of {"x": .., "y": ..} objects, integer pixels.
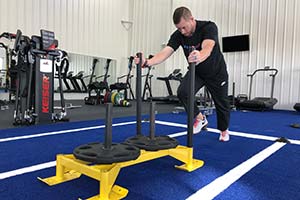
[
  {"x": 200, "y": 125},
  {"x": 224, "y": 136}
]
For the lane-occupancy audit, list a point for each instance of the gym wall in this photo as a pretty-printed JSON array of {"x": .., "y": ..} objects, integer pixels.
[
  {"x": 85, "y": 27},
  {"x": 149, "y": 33},
  {"x": 118, "y": 28},
  {"x": 273, "y": 26}
]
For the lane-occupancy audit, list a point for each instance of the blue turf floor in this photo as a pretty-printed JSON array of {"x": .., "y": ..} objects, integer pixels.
[{"x": 275, "y": 178}]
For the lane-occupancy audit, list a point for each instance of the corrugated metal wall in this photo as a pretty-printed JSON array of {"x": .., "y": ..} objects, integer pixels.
[
  {"x": 150, "y": 33},
  {"x": 273, "y": 26},
  {"x": 94, "y": 28},
  {"x": 85, "y": 27}
]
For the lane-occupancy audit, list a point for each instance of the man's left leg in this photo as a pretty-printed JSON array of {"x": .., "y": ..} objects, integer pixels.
[{"x": 218, "y": 87}]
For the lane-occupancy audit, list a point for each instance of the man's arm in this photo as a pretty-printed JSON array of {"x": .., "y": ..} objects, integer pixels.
[
  {"x": 157, "y": 58},
  {"x": 160, "y": 56},
  {"x": 200, "y": 56}
]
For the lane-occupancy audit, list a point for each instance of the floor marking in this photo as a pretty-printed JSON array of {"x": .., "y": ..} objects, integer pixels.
[
  {"x": 52, "y": 163},
  {"x": 170, "y": 124},
  {"x": 234, "y": 133},
  {"x": 247, "y": 135},
  {"x": 294, "y": 141},
  {"x": 27, "y": 169},
  {"x": 217, "y": 186},
  {"x": 178, "y": 134},
  {"x": 60, "y": 132},
  {"x": 49, "y": 164}
]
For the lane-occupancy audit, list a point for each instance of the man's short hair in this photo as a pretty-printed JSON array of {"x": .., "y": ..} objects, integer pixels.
[{"x": 181, "y": 12}]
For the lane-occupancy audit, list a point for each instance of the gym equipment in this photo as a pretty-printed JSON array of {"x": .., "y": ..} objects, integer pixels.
[
  {"x": 97, "y": 87},
  {"x": 232, "y": 98},
  {"x": 36, "y": 58},
  {"x": 3, "y": 79},
  {"x": 296, "y": 125},
  {"x": 148, "y": 82},
  {"x": 150, "y": 143},
  {"x": 19, "y": 49},
  {"x": 107, "y": 152},
  {"x": 204, "y": 102},
  {"x": 64, "y": 63},
  {"x": 68, "y": 106},
  {"x": 8, "y": 55},
  {"x": 116, "y": 98},
  {"x": 283, "y": 140},
  {"x": 10, "y": 71},
  {"x": 68, "y": 167},
  {"x": 120, "y": 86},
  {"x": 240, "y": 98},
  {"x": 60, "y": 61},
  {"x": 70, "y": 76},
  {"x": 74, "y": 81},
  {"x": 4, "y": 105},
  {"x": 171, "y": 98},
  {"x": 79, "y": 77},
  {"x": 259, "y": 103},
  {"x": 297, "y": 108}
]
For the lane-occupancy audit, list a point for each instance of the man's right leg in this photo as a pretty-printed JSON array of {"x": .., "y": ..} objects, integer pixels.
[{"x": 182, "y": 93}]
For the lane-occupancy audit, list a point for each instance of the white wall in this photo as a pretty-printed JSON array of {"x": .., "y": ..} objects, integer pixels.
[
  {"x": 273, "y": 26},
  {"x": 85, "y": 27},
  {"x": 94, "y": 28},
  {"x": 150, "y": 33}
]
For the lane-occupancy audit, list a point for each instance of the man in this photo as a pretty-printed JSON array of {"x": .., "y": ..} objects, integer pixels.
[{"x": 202, "y": 36}]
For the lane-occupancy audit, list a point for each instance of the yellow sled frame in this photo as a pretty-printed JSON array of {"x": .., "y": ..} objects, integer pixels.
[{"x": 69, "y": 168}]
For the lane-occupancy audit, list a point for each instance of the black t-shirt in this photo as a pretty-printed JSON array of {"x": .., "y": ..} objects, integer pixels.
[{"x": 204, "y": 30}]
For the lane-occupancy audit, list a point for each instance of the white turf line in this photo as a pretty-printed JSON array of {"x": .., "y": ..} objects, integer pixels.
[
  {"x": 27, "y": 170},
  {"x": 234, "y": 133},
  {"x": 214, "y": 188},
  {"x": 61, "y": 132},
  {"x": 52, "y": 163}
]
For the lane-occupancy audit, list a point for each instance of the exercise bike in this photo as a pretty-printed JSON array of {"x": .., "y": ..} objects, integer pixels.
[{"x": 96, "y": 86}]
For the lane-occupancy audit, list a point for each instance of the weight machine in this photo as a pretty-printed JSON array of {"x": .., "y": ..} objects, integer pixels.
[{"x": 36, "y": 58}]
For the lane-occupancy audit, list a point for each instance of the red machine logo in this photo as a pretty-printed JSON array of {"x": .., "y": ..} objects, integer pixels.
[{"x": 45, "y": 94}]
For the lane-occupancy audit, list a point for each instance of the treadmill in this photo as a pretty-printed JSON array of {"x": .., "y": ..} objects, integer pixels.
[
  {"x": 297, "y": 108},
  {"x": 171, "y": 98},
  {"x": 70, "y": 77},
  {"x": 260, "y": 103},
  {"x": 79, "y": 77}
]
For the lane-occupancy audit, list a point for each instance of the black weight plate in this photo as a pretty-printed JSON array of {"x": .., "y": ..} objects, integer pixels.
[
  {"x": 155, "y": 144},
  {"x": 97, "y": 154}
]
